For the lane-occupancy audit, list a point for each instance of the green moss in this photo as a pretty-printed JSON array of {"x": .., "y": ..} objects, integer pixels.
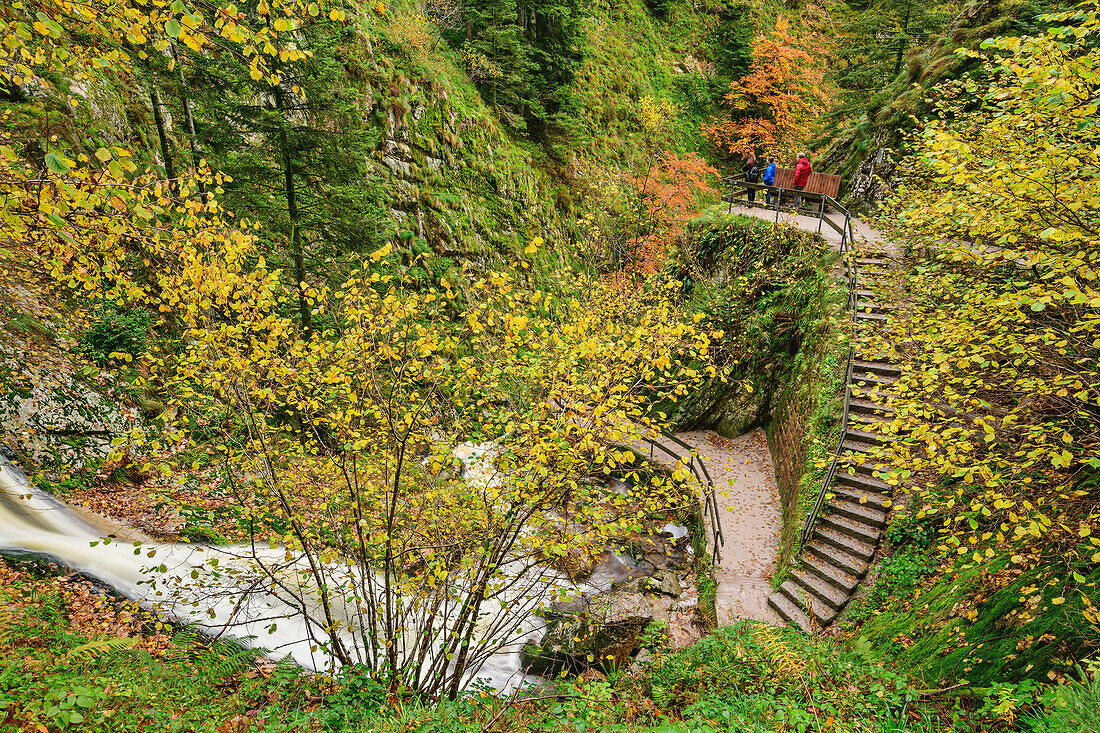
[{"x": 956, "y": 629}]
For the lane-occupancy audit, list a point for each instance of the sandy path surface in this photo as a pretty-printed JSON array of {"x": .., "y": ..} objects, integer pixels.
[{"x": 748, "y": 502}]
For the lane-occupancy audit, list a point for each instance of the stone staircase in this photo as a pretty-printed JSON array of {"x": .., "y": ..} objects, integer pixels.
[{"x": 838, "y": 552}]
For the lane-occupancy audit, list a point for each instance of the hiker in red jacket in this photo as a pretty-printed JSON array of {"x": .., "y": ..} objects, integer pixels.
[{"x": 802, "y": 171}]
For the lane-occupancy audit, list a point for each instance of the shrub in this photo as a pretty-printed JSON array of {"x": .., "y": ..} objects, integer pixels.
[
  {"x": 115, "y": 330},
  {"x": 898, "y": 574}
]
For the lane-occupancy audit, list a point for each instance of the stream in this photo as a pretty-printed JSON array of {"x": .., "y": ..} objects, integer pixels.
[{"x": 220, "y": 590}]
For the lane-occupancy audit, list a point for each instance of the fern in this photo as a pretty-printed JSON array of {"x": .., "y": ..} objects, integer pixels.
[
  {"x": 7, "y": 627},
  {"x": 98, "y": 647},
  {"x": 785, "y": 659}
]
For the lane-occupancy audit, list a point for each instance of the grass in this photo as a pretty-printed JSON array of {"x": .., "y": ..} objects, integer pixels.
[{"x": 72, "y": 659}]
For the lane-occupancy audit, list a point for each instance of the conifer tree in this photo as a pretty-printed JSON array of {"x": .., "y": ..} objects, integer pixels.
[
  {"x": 876, "y": 36},
  {"x": 297, "y": 153}
]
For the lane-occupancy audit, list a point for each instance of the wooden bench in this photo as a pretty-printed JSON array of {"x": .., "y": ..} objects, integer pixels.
[
  {"x": 783, "y": 177},
  {"x": 822, "y": 184},
  {"x": 817, "y": 185}
]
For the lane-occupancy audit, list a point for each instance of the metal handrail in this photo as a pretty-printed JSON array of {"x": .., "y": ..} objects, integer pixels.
[
  {"x": 811, "y": 518},
  {"x": 825, "y": 199},
  {"x": 847, "y": 241},
  {"x": 847, "y": 238},
  {"x": 710, "y": 500}
]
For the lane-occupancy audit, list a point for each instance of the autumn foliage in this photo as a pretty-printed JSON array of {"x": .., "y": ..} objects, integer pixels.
[
  {"x": 997, "y": 420},
  {"x": 773, "y": 107},
  {"x": 670, "y": 193}
]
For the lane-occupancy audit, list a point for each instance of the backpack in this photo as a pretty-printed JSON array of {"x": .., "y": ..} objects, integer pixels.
[{"x": 753, "y": 176}]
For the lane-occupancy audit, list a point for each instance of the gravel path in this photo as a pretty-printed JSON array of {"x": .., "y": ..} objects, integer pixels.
[{"x": 864, "y": 233}]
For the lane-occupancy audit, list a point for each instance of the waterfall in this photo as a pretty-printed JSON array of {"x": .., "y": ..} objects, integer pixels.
[{"x": 222, "y": 590}]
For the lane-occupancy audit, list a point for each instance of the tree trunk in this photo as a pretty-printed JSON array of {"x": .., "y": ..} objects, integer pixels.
[
  {"x": 189, "y": 118},
  {"x": 903, "y": 38},
  {"x": 165, "y": 148},
  {"x": 294, "y": 215}
]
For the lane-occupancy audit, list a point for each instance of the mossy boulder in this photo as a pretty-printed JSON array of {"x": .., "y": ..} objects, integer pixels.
[{"x": 596, "y": 632}]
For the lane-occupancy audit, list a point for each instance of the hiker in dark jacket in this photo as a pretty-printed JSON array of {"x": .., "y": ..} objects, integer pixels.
[
  {"x": 802, "y": 171},
  {"x": 769, "y": 179},
  {"x": 752, "y": 174}
]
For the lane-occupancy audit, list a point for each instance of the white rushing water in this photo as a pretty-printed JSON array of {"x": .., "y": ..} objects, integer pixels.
[{"x": 222, "y": 591}]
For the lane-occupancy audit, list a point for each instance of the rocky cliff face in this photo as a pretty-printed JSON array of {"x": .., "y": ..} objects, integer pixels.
[{"x": 766, "y": 289}]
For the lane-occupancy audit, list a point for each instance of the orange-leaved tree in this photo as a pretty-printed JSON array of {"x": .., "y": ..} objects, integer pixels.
[
  {"x": 775, "y": 105},
  {"x": 670, "y": 193}
]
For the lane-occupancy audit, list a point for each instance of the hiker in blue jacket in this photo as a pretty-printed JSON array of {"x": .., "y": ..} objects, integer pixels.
[{"x": 769, "y": 179}]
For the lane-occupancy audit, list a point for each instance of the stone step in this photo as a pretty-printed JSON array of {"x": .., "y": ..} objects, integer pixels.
[
  {"x": 872, "y": 260},
  {"x": 877, "y": 317},
  {"x": 837, "y": 557},
  {"x": 853, "y": 528},
  {"x": 868, "y": 407},
  {"x": 858, "y": 446},
  {"x": 870, "y": 276},
  {"x": 876, "y": 367},
  {"x": 832, "y": 596},
  {"x": 864, "y": 436},
  {"x": 862, "y": 497},
  {"x": 821, "y": 613},
  {"x": 868, "y": 421},
  {"x": 858, "y": 512},
  {"x": 790, "y": 612},
  {"x": 868, "y": 392},
  {"x": 865, "y": 307},
  {"x": 880, "y": 358},
  {"x": 870, "y": 378},
  {"x": 874, "y": 302},
  {"x": 865, "y": 277},
  {"x": 870, "y": 268},
  {"x": 861, "y": 481},
  {"x": 851, "y": 556},
  {"x": 827, "y": 571},
  {"x": 866, "y": 467}
]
